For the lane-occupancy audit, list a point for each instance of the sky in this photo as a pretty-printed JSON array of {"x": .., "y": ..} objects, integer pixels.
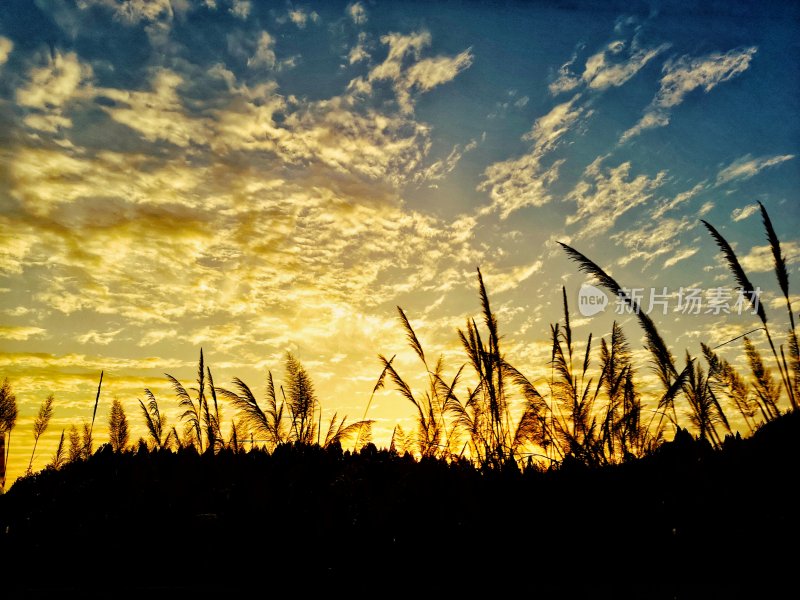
[{"x": 254, "y": 178}]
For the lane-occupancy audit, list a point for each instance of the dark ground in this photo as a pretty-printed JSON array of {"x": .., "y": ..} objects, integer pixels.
[{"x": 685, "y": 522}]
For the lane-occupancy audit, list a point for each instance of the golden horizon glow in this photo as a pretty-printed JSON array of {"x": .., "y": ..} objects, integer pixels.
[{"x": 254, "y": 182}]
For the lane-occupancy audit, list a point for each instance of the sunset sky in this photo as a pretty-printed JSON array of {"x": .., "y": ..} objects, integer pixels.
[{"x": 256, "y": 177}]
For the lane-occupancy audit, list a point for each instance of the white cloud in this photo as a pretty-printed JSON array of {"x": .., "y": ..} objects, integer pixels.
[
  {"x": 357, "y": 13},
  {"x": 679, "y": 199},
  {"x": 20, "y": 333},
  {"x": 241, "y": 8},
  {"x": 156, "y": 16},
  {"x": 651, "y": 239},
  {"x": 440, "y": 168},
  {"x": 102, "y": 338},
  {"x": 686, "y": 74},
  {"x": 158, "y": 114},
  {"x": 567, "y": 80},
  {"x": 740, "y": 214},
  {"x": 301, "y": 17},
  {"x": 320, "y": 224},
  {"x": 400, "y": 46},
  {"x": 612, "y": 66},
  {"x": 430, "y": 72},
  {"x": 265, "y": 52},
  {"x": 705, "y": 209},
  {"x": 135, "y": 11},
  {"x": 50, "y": 88},
  {"x": 6, "y": 46},
  {"x": 423, "y": 74},
  {"x": 747, "y": 167},
  {"x": 499, "y": 281},
  {"x": 760, "y": 258},
  {"x": 55, "y": 84},
  {"x": 550, "y": 127},
  {"x": 156, "y": 335},
  {"x": 358, "y": 52},
  {"x": 679, "y": 256},
  {"x": 604, "y": 195},
  {"x": 604, "y": 70},
  {"x": 515, "y": 183}
]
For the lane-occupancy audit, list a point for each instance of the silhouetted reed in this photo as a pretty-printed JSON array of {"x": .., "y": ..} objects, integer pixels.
[{"x": 487, "y": 410}]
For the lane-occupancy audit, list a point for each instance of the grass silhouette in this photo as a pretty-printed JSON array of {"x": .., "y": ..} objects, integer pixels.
[{"x": 565, "y": 488}]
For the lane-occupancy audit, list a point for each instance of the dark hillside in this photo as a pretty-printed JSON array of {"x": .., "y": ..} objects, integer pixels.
[{"x": 686, "y": 521}]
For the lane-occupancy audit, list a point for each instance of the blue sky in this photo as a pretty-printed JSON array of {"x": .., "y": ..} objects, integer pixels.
[{"x": 259, "y": 177}]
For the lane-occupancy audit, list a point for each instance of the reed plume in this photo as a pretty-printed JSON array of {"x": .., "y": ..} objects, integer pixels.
[
  {"x": 40, "y": 424},
  {"x": 60, "y": 457},
  {"x": 767, "y": 391},
  {"x": 154, "y": 420},
  {"x": 88, "y": 436},
  {"x": 782, "y": 274},
  {"x": 379, "y": 384},
  {"x": 663, "y": 360},
  {"x": 192, "y": 414},
  {"x": 8, "y": 418},
  {"x": 268, "y": 423},
  {"x": 75, "y": 452},
  {"x": 747, "y": 288},
  {"x": 724, "y": 379}
]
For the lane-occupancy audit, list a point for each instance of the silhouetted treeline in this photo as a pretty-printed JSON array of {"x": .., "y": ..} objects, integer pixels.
[{"x": 685, "y": 521}]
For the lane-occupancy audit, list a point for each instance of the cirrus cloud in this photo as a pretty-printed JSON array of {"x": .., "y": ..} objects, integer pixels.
[{"x": 682, "y": 76}]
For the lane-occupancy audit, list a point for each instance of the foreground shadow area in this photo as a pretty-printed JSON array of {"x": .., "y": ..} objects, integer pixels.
[{"x": 684, "y": 522}]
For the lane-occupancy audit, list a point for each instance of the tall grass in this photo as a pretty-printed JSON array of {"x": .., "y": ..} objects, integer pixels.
[
  {"x": 430, "y": 438},
  {"x": 623, "y": 433},
  {"x": 747, "y": 288},
  {"x": 268, "y": 423},
  {"x": 60, "y": 456},
  {"x": 40, "y": 424},
  {"x": 724, "y": 379},
  {"x": 487, "y": 409},
  {"x": 8, "y": 418},
  {"x": 296, "y": 418},
  {"x": 154, "y": 420},
  {"x": 193, "y": 409},
  {"x": 94, "y": 414},
  {"x": 118, "y": 433},
  {"x": 782, "y": 274}
]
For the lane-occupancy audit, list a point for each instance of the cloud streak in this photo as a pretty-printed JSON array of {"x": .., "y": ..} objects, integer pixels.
[
  {"x": 524, "y": 181},
  {"x": 605, "y": 194},
  {"x": 747, "y": 167},
  {"x": 686, "y": 74},
  {"x": 6, "y": 46}
]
